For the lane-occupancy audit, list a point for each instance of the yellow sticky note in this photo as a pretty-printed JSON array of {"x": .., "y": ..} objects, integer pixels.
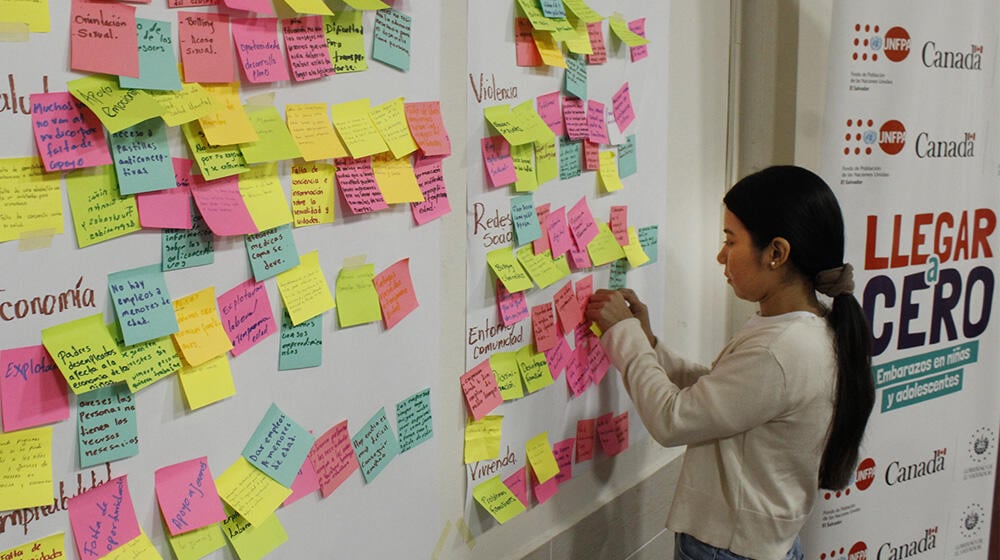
[
  {"x": 214, "y": 162},
  {"x": 508, "y": 270},
  {"x": 207, "y": 383},
  {"x": 604, "y": 248},
  {"x": 524, "y": 165},
  {"x": 508, "y": 124},
  {"x": 139, "y": 548},
  {"x": 609, "y": 172},
  {"x": 309, "y": 7},
  {"x": 264, "y": 196},
  {"x": 313, "y": 196},
  {"x": 533, "y": 11},
  {"x": 548, "y": 48},
  {"x": 367, "y": 4},
  {"x": 230, "y": 125},
  {"x": 541, "y": 268},
  {"x": 200, "y": 336},
  {"x": 357, "y": 299},
  {"x": 546, "y": 162},
  {"x": 582, "y": 11},
  {"x": 52, "y": 546},
  {"x": 596, "y": 330},
  {"x": 633, "y": 251},
  {"x": 310, "y": 127},
  {"x": 345, "y": 40},
  {"x": 356, "y": 127},
  {"x": 541, "y": 458},
  {"x": 85, "y": 353},
  {"x": 578, "y": 40},
  {"x": 197, "y": 544},
  {"x": 534, "y": 368},
  {"x": 620, "y": 28},
  {"x": 497, "y": 499},
  {"x": 250, "y": 492},
  {"x": 390, "y": 119},
  {"x": 396, "y": 179},
  {"x": 99, "y": 212},
  {"x": 35, "y": 13},
  {"x": 26, "y": 468},
  {"x": 253, "y": 542},
  {"x": 482, "y": 439},
  {"x": 32, "y": 198},
  {"x": 274, "y": 142},
  {"x": 117, "y": 108},
  {"x": 192, "y": 102},
  {"x": 527, "y": 117},
  {"x": 304, "y": 290},
  {"x": 508, "y": 374}
]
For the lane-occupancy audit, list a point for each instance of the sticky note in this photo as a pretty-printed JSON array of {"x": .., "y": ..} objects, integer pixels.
[
  {"x": 250, "y": 491},
  {"x": 507, "y": 374},
  {"x": 231, "y": 124},
  {"x": 558, "y": 357},
  {"x": 142, "y": 158},
  {"x": 207, "y": 383},
  {"x": 197, "y": 544},
  {"x": 311, "y": 128},
  {"x": 427, "y": 127},
  {"x": 99, "y": 212},
  {"x": 220, "y": 202},
  {"x": 304, "y": 290},
  {"x": 139, "y": 548},
  {"x": 103, "y": 39},
  {"x": 648, "y": 241},
  {"x": 86, "y": 354},
  {"x": 414, "y": 422},
  {"x": 633, "y": 250},
  {"x": 157, "y": 61},
  {"x": 550, "y": 110},
  {"x": 396, "y": 179},
  {"x": 499, "y": 163},
  {"x": 482, "y": 439},
  {"x": 67, "y": 133},
  {"x": 32, "y": 198},
  {"x": 345, "y": 40},
  {"x": 523, "y": 157},
  {"x": 256, "y": 41},
  {"x": 548, "y": 48},
  {"x": 301, "y": 345},
  {"x": 250, "y": 541},
  {"x": 526, "y": 52},
  {"x": 309, "y": 6},
  {"x": 570, "y": 162},
  {"x": 609, "y": 172},
  {"x": 26, "y": 468},
  {"x": 507, "y": 270},
  {"x": 618, "y": 26},
  {"x": 271, "y": 252},
  {"x": 142, "y": 303},
  {"x": 98, "y": 528},
  {"x": 513, "y": 308},
  {"x": 146, "y": 362},
  {"x": 617, "y": 274},
  {"x": 52, "y": 546},
  {"x": 106, "y": 425},
  {"x": 357, "y": 298},
  {"x": 604, "y": 248},
  {"x": 595, "y": 31},
  {"x": 185, "y": 248},
  {"x": 507, "y": 124},
  {"x": 274, "y": 141},
  {"x": 430, "y": 178},
  {"x": 577, "y": 371},
  {"x": 580, "y": 258},
  {"x": 584, "y": 289},
  {"x": 575, "y": 80},
  {"x": 278, "y": 446},
  {"x": 390, "y": 121},
  {"x": 619, "y": 224},
  {"x": 575, "y": 117},
  {"x": 612, "y": 432},
  {"x": 305, "y": 484},
  {"x": 245, "y": 311},
  {"x": 35, "y": 14},
  {"x": 214, "y": 162},
  {"x": 391, "y": 38},
  {"x": 541, "y": 458},
  {"x": 638, "y": 52},
  {"x": 557, "y": 232},
  {"x": 187, "y": 496},
  {"x": 367, "y": 4},
  {"x": 192, "y": 102},
  {"x": 32, "y": 391},
  {"x": 534, "y": 369},
  {"x": 201, "y": 335},
  {"x": 358, "y": 185},
  {"x": 117, "y": 108},
  {"x": 169, "y": 208},
  {"x": 539, "y": 20},
  {"x": 568, "y": 308},
  {"x": 581, "y": 223},
  {"x": 376, "y": 445},
  {"x": 597, "y": 130},
  {"x": 578, "y": 41},
  {"x": 264, "y": 197},
  {"x": 481, "y": 391},
  {"x": 206, "y": 48},
  {"x": 498, "y": 500},
  {"x": 518, "y": 484},
  {"x": 333, "y": 458},
  {"x": 541, "y": 268},
  {"x": 313, "y": 196},
  {"x": 591, "y": 156},
  {"x": 396, "y": 296},
  {"x": 522, "y": 211},
  {"x": 585, "y": 432},
  {"x": 543, "y": 327},
  {"x": 305, "y": 44},
  {"x": 355, "y": 126},
  {"x": 597, "y": 362}
]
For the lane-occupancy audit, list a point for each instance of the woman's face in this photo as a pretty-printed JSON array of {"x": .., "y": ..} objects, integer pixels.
[{"x": 745, "y": 265}]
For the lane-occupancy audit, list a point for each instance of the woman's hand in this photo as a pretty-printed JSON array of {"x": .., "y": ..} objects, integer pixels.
[
  {"x": 640, "y": 312},
  {"x": 608, "y": 307}
]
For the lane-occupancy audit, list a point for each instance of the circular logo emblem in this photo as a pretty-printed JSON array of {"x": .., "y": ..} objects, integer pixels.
[
  {"x": 971, "y": 520},
  {"x": 865, "y": 474},
  {"x": 875, "y": 43},
  {"x": 858, "y": 552},
  {"x": 980, "y": 444},
  {"x": 892, "y": 137},
  {"x": 897, "y": 44},
  {"x": 870, "y": 136}
]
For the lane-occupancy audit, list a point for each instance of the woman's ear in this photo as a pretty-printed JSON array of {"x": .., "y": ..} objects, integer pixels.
[{"x": 778, "y": 252}]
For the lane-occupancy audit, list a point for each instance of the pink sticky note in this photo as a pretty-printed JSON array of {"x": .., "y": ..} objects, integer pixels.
[
  {"x": 499, "y": 163},
  {"x": 541, "y": 244},
  {"x": 579, "y": 258},
  {"x": 358, "y": 186},
  {"x": 170, "y": 208},
  {"x": 513, "y": 308},
  {"x": 598, "y": 362},
  {"x": 548, "y": 108},
  {"x": 395, "y": 292},
  {"x": 612, "y": 432},
  {"x": 563, "y": 451},
  {"x": 305, "y": 44},
  {"x": 246, "y": 314},
  {"x": 32, "y": 391},
  {"x": 591, "y": 156},
  {"x": 577, "y": 372},
  {"x": 103, "y": 38},
  {"x": 187, "y": 496},
  {"x": 430, "y": 177},
  {"x": 597, "y": 125},
  {"x": 103, "y": 518},
  {"x": 518, "y": 484},
  {"x": 575, "y": 117},
  {"x": 305, "y": 483},
  {"x": 622, "y": 106},
  {"x": 206, "y": 49},
  {"x": 480, "y": 388},
  {"x": 619, "y": 224},
  {"x": 543, "y": 491},
  {"x": 595, "y": 31},
  {"x": 222, "y": 205},
  {"x": 67, "y": 133},
  {"x": 558, "y": 357},
  {"x": 581, "y": 223},
  {"x": 585, "y": 432},
  {"x": 543, "y": 326},
  {"x": 258, "y": 6},
  {"x": 259, "y": 51},
  {"x": 190, "y": 3},
  {"x": 557, "y": 232},
  {"x": 427, "y": 127},
  {"x": 568, "y": 308},
  {"x": 333, "y": 458},
  {"x": 527, "y": 51},
  {"x": 638, "y": 26},
  {"x": 584, "y": 289}
]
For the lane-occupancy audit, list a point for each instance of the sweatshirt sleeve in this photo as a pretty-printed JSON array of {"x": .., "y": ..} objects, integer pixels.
[{"x": 744, "y": 389}]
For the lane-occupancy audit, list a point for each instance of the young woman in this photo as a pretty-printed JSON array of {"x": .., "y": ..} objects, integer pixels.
[{"x": 783, "y": 408}]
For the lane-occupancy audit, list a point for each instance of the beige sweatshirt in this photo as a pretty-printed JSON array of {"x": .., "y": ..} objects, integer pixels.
[{"x": 755, "y": 424}]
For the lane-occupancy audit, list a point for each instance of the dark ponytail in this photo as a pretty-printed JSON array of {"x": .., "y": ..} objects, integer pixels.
[{"x": 796, "y": 204}]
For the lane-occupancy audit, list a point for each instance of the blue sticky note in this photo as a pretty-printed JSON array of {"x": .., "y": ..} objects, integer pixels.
[
  {"x": 375, "y": 445},
  {"x": 157, "y": 61},
  {"x": 616, "y": 281},
  {"x": 570, "y": 158},
  {"x": 185, "y": 248},
  {"x": 553, "y": 8},
  {"x": 522, "y": 213},
  {"x": 413, "y": 420},
  {"x": 647, "y": 238},
  {"x": 575, "y": 83},
  {"x": 142, "y": 304},
  {"x": 106, "y": 425},
  {"x": 301, "y": 345},
  {"x": 391, "y": 38},
  {"x": 271, "y": 251},
  {"x": 627, "y": 164},
  {"x": 279, "y": 446},
  {"x": 142, "y": 160}
]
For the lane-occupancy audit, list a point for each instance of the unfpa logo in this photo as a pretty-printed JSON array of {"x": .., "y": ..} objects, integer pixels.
[
  {"x": 870, "y": 44},
  {"x": 859, "y": 551},
  {"x": 862, "y": 137}
]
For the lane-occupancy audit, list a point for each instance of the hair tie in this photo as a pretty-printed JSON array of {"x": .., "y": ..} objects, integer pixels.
[{"x": 835, "y": 281}]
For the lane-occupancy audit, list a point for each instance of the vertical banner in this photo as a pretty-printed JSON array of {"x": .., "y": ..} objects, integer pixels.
[{"x": 910, "y": 148}]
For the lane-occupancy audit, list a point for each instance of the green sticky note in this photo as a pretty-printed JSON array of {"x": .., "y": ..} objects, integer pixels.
[
  {"x": 616, "y": 279},
  {"x": 106, "y": 414},
  {"x": 99, "y": 212},
  {"x": 627, "y": 164},
  {"x": 413, "y": 420},
  {"x": 253, "y": 542},
  {"x": 274, "y": 141},
  {"x": 357, "y": 299},
  {"x": 391, "y": 38},
  {"x": 582, "y": 11},
  {"x": 301, "y": 345},
  {"x": 534, "y": 368},
  {"x": 117, "y": 108},
  {"x": 508, "y": 375},
  {"x": 541, "y": 268},
  {"x": 648, "y": 240},
  {"x": 508, "y": 125},
  {"x": 142, "y": 303},
  {"x": 620, "y": 28},
  {"x": 507, "y": 270},
  {"x": 184, "y": 248},
  {"x": 522, "y": 213},
  {"x": 570, "y": 158},
  {"x": 214, "y": 162},
  {"x": 575, "y": 83},
  {"x": 157, "y": 61},
  {"x": 346, "y": 41},
  {"x": 142, "y": 158}
]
